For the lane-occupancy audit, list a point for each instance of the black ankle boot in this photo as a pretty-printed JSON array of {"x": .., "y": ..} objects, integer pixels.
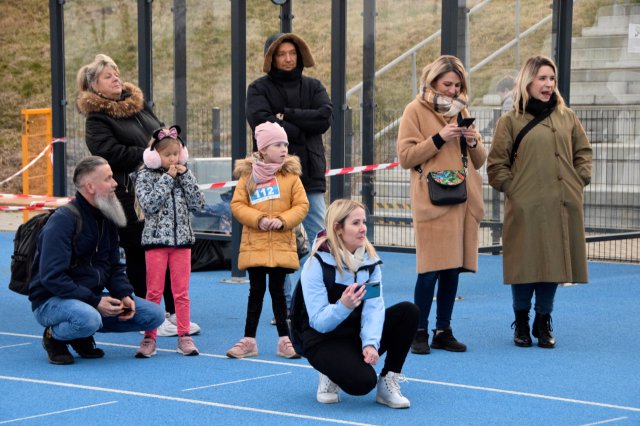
[
  {"x": 56, "y": 349},
  {"x": 420, "y": 344},
  {"x": 542, "y": 330},
  {"x": 86, "y": 347},
  {"x": 443, "y": 339},
  {"x": 520, "y": 326}
]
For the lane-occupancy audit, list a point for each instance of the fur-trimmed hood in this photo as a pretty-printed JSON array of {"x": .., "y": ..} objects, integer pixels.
[
  {"x": 291, "y": 166},
  {"x": 132, "y": 102},
  {"x": 276, "y": 40}
]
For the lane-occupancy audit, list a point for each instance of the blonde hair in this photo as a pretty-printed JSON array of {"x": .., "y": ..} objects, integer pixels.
[
  {"x": 526, "y": 75},
  {"x": 436, "y": 69},
  {"x": 336, "y": 216},
  {"x": 88, "y": 74}
]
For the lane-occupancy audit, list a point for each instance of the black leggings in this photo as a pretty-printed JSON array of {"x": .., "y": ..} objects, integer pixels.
[
  {"x": 257, "y": 289},
  {"x": 131, "y": 243},
  {"x": 342, "y": 361}
]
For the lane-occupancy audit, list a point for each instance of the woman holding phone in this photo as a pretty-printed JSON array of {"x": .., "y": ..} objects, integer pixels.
[
  {"x": 349, "y": 327},
  {"x": 433, "y": 137}
]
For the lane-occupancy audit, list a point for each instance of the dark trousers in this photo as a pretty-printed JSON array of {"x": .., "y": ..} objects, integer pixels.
[
  {"x": 257, "y": 289},
  {"x": 342, "y": 361},
  {"x": 131, "y": 243},
  {"x": 545, "y": 296},
  {"x": 447, "y": 290}
]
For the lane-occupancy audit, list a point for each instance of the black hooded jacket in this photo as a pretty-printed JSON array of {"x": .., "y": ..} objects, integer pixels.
[{"x": 306, "y": 106}]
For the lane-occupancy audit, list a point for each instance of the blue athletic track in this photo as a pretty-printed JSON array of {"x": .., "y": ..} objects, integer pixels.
[{"x": 592, "y": 377}]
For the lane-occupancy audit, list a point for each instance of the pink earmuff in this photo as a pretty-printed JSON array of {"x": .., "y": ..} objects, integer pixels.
[{"x": 152, "y": 159}]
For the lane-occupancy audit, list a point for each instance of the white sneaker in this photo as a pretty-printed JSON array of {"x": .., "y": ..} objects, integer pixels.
[
  {"x": 389, "y": 391},
  {"x": 327, "y": 390},
  {"x": 193, "y": 327},
  {"x": 167, "y": 328}
]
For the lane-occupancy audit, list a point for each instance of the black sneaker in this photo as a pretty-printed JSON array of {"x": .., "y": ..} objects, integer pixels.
[
  {"x": 420, "y": 344},
  {"x": 56, "y": 349},
  {"x": 86, "y": 347},
  {"x": 443, "y": 339}
]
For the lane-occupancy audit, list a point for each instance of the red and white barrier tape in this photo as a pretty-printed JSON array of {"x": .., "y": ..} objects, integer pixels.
[
  {"x": 332, "y": 172},
  {"x": 32, "y": 162},
  {"x": 21, "y": 208}
]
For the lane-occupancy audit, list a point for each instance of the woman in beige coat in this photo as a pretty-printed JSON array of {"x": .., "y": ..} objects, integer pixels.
[
  {"x": 446, "y": 236},
  {"x": 269, "y": 201},
  {"x": 543, "y": 235}
]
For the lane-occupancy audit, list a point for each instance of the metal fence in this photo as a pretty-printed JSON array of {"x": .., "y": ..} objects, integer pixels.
[{"x": 612, "y": 200}]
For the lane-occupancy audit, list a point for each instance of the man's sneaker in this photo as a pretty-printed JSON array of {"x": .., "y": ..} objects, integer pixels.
[
  {"x": 246, "y": 347},
  {"x": 167, "y": 328},
  {"x": 389, "y": 391},
  {"x": 56, "y": 349},
  {"x": 147, "y": 348},
  {"x": 327, "y": 390},
  {"x": 193, "y": 327},
  {"x": 443, "y": 339},
  {"x": 285, "y": 348},
  {"x": 186, "y": 346},
  {"x": 86, "y": 347}
]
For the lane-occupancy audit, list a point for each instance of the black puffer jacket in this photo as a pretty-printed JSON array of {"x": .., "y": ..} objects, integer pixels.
[
  {"x": 119, "y": 131},
  {"x": 307, "y": 114}
]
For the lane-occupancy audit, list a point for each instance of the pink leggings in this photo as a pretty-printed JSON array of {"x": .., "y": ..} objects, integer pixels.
[{"x": 179, "y": 261}]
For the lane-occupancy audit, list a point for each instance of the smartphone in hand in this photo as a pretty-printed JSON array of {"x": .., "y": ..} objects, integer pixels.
[
  {"x": 373, "y": 290},
  {"x": 466, "y": 122}
]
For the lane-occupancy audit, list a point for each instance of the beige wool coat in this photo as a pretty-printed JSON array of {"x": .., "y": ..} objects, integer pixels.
[
  {"x": 276, "y": 248},
  {"x": 543, "y": 234},
  {"x": 446, "y": 236}
]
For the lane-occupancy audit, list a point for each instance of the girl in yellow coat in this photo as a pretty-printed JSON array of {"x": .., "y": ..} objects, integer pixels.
[{"x": 269, "y": 201}]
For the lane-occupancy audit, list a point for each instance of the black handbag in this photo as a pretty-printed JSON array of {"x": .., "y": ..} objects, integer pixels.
[{"x": 448, "y": 187}]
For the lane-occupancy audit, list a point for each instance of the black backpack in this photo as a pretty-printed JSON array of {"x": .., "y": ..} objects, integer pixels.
[
  {"x": 25, "y": 246},
  {"x": 298, "y": 317}
]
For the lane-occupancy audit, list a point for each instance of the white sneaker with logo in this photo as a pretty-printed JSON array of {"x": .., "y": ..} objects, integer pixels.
[
  {"x": 327, "y": 390},
  {"x": 389, "y": 391}
]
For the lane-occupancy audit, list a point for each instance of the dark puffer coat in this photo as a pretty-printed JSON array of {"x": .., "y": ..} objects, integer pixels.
[
  {"x": 119, "y": 131},
  {"x": 306, "y": 107}
]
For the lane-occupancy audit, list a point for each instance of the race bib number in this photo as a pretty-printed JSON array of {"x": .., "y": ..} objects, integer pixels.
[{"x": 265, "y": 191}]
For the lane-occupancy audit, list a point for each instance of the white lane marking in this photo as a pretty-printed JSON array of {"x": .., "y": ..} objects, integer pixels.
[
  {"x": 13, "y": 346},
  {"x": 57, "y": 412},
  {"x": 291, "y": 364},
  {"x": 237, "y": 381},
  {"x": 177, "y": 399},
  {"x": 531, "y": 395},
  {"x": 605, "y": 421}
]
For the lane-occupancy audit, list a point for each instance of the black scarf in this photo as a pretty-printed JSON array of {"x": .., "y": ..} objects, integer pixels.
[
  {"x": 283, "y": 76},
  {"x": 536, "y": 107}
]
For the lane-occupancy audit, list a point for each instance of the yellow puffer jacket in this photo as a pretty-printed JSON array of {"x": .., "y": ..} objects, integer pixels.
[{"x": 270, "y": 248}]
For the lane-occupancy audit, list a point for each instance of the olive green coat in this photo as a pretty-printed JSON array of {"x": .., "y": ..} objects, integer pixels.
[
  {"x": 543, "y": 235},
  {"x": 446, "y": 236}
]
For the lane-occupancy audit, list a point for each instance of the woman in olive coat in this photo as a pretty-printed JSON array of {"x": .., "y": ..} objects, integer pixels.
[{"x": 543, "y": 235}]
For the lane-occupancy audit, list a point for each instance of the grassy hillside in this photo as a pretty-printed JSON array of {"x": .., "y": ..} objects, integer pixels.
[{"x": 109, "y": 26}]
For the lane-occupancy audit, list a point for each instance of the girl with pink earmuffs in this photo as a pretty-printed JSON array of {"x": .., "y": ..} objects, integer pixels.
[{"x": 167, "y": 192}]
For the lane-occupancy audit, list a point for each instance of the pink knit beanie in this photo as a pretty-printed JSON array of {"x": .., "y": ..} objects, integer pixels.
[{"x": 269, "y": 133}]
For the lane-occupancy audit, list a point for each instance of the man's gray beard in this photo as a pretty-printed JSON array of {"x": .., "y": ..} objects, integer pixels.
[{"x": 112, "y": 209}]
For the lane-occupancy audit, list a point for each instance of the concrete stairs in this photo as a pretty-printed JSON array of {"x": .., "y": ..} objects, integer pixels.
[{"x": 604, "y": 71}]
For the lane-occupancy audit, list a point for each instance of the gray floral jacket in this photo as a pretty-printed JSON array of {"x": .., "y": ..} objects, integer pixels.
[{"x": 166, "y": 203}]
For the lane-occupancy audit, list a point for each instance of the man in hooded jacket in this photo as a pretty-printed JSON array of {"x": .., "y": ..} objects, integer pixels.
[{"x": 301, "y": 105}]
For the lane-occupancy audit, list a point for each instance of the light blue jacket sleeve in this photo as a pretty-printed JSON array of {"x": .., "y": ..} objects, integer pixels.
[{"x": 323, "y": 316}]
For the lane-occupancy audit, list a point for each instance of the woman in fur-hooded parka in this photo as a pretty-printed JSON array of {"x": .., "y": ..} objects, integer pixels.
[{"x": 275, "y": 248}]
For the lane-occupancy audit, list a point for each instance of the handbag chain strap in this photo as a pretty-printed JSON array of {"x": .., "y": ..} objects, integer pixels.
[{"x": 463, "y": 150}]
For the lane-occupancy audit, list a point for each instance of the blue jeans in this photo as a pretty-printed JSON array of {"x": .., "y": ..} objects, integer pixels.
[
  {"x": 71, "y": 319},
  {"x": 545, "y": 295},
  {"x": 447, "y": 290},
  {"x": 313, "y": 223}
]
